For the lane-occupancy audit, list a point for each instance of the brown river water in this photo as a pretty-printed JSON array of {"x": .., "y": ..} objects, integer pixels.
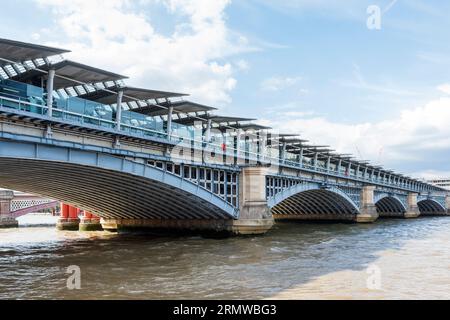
[{"x": 293, "y": 261}]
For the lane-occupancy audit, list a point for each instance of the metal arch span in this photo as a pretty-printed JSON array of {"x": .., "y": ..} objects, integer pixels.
[
  {"x": 389, "y": 206},
  {"x": 22, "y": 212},
  {"x": 431, "y": 207},
  {"x": 108, "y": 186},
  {"x": 309, "y": 201}
]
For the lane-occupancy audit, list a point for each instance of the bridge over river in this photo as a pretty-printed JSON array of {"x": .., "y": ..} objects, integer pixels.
[{"x": 140, "y": 158}]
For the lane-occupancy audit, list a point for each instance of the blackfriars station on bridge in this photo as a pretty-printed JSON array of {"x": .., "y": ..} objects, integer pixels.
[{"x": 134, "y": 158}]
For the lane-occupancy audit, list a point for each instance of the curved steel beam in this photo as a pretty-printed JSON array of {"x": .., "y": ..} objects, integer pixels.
[
  {"x": 430, "y": 207},
  {"x": 108, "y": 186},
  {"x": 386, "y": 203},
  {"x": 318, "y": 202},
  {"x": 298, "y": 188},
  {"x": 33, "y": 209}
]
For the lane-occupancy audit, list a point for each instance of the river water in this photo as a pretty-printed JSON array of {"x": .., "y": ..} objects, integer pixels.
[{"x": 293, "y": 261}]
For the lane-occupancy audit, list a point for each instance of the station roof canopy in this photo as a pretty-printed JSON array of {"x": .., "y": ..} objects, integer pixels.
[
  {"x": 21, "y": 51},
  {"x": 69, "y": 74},
  {"x": 291, "y": 141},
  {"x": 281, "y": 136},
  {"x": 250, "y": 126},
  {"x": 184, "y": 107},
  {"x": 109, "y": 95},
  {"x": 220, "y": 120},
  {"x": 307, "y": 149},
  {"x": 228, "y": 120}
]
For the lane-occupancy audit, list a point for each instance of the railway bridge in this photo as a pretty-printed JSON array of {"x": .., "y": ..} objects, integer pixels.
[
  {"x": 141, "y": 158},
  {"x": 17, "y": 204}
]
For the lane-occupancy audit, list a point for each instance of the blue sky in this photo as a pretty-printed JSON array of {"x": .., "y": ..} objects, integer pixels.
[{"x": 311, "y": 67}]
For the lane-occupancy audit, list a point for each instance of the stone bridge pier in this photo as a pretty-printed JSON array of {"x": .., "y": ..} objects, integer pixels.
[
  {"x": 412, "y": 209},
  {"x": 368, "y": 211},
  {"x": 447, "y": 205},
  {"x": 6, "y": 219},
  {"x": 255, "y": 215},
  {"x": 386, "y": 206}
]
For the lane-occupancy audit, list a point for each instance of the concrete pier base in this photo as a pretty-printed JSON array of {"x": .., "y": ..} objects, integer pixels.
[
  {"x": 87, "y": 225},
  {"x": 331, "y": 217},
  {"x": 413, "y": 210},
  {"x": 206, "y": 227},
  {"x": 368, "y": 211},
  {"x": 367, "y": 217},
  {"x": 251, "y": 226},
  {"x": 392, "y": 215},
  {"x": 68, "y": 224},
  {"x": 6, "y": 220},
  {"x": 412, "y": 214},
  {"x": 90, "y": 222}
]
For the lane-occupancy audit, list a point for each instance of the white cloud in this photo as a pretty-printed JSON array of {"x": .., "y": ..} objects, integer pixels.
[
  {"x": 445, "y": 88},
  {"x": 242, "y": 65},
  {"x": 359, "y": 82},
  {"x": 420, "y": 136},
  {"x": 278, "y": 83},
  {"x": 432, "y": 174},
  {"x": 117, "y": 35}
]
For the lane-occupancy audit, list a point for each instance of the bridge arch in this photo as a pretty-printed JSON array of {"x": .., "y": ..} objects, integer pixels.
[
  {"x": 108, "y": 186},
  {"x": 430, "y": 207},
  {"x": 390, "y": 206},
  {"x": 309, "y": 201}
]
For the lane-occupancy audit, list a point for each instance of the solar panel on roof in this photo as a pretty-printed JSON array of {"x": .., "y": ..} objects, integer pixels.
[{"x": 18, "y": 52}]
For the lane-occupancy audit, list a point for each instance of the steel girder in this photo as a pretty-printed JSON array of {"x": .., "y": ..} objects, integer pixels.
[
  {"x": 310, "y": 199},
  {"x": 431, "y": 207},
  {"x": 109, "y": 186}
]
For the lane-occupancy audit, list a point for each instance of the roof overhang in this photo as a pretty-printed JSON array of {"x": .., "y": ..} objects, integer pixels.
[
  {"x": 69, "y": 74},
  {"x": 219, "y": 121},
  {"x": 184, "y": 107},
  {"x": 19, "y": 52},
  {"x": 109, "y": 95}
]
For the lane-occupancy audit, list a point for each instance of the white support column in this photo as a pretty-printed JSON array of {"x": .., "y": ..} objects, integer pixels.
[
  {"x": 301, "y": 158},
  {"x": 119, "y": 110},
  {"x": 238, "y": 142},
  {"x": 50, "y": 85},
  {"x": 208, "y": 131},
  {"x": 169, "y": 122},
  {"x": 328, "y": 164},
  {"x": 316, "y": 159},
  {"x": 283, "y": 154}
]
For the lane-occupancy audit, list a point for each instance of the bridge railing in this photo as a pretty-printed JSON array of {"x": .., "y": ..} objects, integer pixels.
[{"x": 87, "y": 112}]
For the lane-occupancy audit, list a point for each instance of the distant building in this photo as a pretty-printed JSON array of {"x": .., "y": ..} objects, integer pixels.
[{"x": 443, "y": 183}]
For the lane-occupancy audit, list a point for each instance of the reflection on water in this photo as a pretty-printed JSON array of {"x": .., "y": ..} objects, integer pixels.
[
  {"x": 294, "y": 261},
  {"x": 38, "y": 219}
]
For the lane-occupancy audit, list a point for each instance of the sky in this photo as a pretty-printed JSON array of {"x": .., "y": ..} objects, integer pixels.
[{"x": 314, "y": 67}]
